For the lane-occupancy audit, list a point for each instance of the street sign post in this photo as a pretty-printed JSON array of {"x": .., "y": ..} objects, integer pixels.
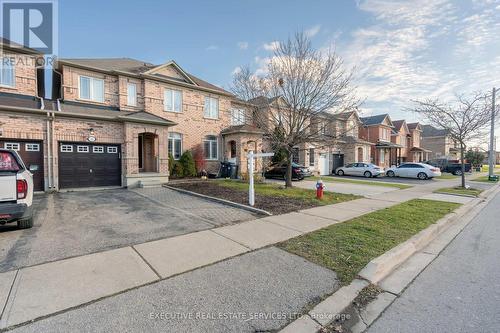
[{"x": 251, "y": 160}]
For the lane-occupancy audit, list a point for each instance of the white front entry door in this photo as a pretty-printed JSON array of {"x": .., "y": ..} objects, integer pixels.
[{"x": 324, "y": 167}]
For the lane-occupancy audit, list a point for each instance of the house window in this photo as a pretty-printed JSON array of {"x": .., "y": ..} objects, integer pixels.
[
  {"x": 210, "y": 147},
  {"x": 66, "y": 148},
  {"x": 175, "y": 145},
  {"x": 211, "y": 107},
  {"x": 98, "y": 149},
  {"x": 112, "y": 150},
  {"x": 92, "y": 89},
  {"x": 237, "y": 117},
  {"x": 172, "y": 100},
  {"x": 82, "y": 149},
  {"x": 132, "y": 94},
  {"x": 32, "y": 147},
  {"x": 7, "y": 74},
  {"x": 233, "y": 149},
  {"x": 295, "y": 155},
  {"x": 12, "y": 146},
  {"x": 382, "y": 156},
  {"x": 311, "y": 156}
]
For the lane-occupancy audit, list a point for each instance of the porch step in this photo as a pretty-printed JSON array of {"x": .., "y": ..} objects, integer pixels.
[{"x": 150, "y": 183}]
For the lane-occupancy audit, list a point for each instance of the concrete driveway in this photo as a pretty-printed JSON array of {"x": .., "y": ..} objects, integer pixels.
[{"x": 77, "y": 223}]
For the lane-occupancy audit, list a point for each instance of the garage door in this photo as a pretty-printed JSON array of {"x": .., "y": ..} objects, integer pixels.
[
  {"x": 31, "y": 153},
  {"x": 88, "y": 165}
]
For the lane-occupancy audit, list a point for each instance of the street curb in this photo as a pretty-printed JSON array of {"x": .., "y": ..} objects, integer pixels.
[
  {"x": 382, "y": 266},
  {"x": 223, "y": 201}
]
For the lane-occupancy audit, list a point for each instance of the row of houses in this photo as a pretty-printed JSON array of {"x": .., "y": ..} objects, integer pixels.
[{"x": 114, "y": 122}]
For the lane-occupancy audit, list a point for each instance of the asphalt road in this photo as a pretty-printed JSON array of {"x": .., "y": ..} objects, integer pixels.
[
  {"x": 460, "y": 290},
  {"x": 254, "y": 292}
]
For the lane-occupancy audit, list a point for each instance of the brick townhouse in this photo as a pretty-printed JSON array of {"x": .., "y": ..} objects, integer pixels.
[{"x": 116, "y": 120}]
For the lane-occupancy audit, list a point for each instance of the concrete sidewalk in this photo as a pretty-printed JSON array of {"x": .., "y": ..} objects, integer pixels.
[{"x": 38, "y": 291}]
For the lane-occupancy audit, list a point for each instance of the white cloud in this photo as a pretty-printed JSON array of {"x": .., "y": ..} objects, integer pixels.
[
  {"x": 236, "y": 70},
  {"x": 313, "y": 31},
  {"x": 272, "y": 46},
  {"x": 212, "y": 48},
  {"x": 262, "y": 65},
  {"x": 242, "y": 45}
]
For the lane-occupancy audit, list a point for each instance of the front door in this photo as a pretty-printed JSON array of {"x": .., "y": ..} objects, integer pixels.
[
  {"x": 323, "y": 165},
  {"x": 337, "y": 161}
]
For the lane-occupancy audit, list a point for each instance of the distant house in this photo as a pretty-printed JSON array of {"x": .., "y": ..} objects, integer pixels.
[
  {"x": 417, "y": 153},
  {"x": 439, "y": 142}
]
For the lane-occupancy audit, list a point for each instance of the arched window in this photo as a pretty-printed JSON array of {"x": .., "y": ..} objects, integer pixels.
[
  {"x": 210, "y": 147},
  {"x": 175, "y": 144}
]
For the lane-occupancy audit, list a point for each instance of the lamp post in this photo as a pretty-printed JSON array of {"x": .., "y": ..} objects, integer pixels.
[{"x": 492, "y": 154}]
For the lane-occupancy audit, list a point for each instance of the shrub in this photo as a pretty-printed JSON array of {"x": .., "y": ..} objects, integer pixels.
[
  {"x": 171, "y": 163},
  {"x": 188, "y": 164},
  {"x": 199, "y": 158},
  {"x": 177, "y": 170}
]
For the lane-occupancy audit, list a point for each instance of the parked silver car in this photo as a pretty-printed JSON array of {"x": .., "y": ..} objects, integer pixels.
[
  {"x": 414, "y": 170},
  {"x": 367, "y": 170}
]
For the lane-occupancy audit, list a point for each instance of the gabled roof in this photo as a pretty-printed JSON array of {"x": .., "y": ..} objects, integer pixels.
[
  {"x": 134, "y": 67},
  {"x": 399, "y": 124},
  {"x": 11, "y": 46},
  {"x": 347, "y": 115},
  {"x": 242, "y": 129},
  {"x": 430, "y": 131},
  {"x": 415, "y": 126},
  {"x": 263, "y": 100},
  {"x": 376, "y": 120}
]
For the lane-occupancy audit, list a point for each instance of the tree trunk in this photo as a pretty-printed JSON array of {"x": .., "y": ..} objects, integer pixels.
[
  {"x": 462, "y": 163},
  {"x": 288, "y": 175}
]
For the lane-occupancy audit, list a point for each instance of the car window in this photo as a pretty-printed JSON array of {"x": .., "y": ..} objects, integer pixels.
[
  {"x": 8, "y": 162},
  {"x": 403, "y": 166},
  {"x": 350, "y": 165}
]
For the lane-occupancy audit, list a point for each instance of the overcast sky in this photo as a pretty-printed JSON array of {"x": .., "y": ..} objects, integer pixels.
[{"x": 402, "y": 50}]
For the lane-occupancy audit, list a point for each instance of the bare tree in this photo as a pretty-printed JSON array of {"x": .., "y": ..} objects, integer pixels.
[
  {"x": 307, "y": 87},
  {"x": 464, "y": 120}
]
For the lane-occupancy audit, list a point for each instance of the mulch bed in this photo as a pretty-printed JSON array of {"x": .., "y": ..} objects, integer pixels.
[{"x": 273, "y": 204}]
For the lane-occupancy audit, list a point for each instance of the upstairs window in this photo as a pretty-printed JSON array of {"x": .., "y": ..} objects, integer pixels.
[
  {"x": 7, "y": 75},
  {"x": 175, "y": 145},
  {"x": 210, "y": 147},
  {"x": 172, "y": 100},
  {"x": 92, "y": 89},
  {"x": 237, "y": 117},
  {"x": 211, "y": 108},
  {"x": 132, "y": 94}
]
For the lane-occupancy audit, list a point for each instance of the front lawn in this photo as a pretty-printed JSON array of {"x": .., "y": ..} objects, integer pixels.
[
  {"x": 484, "y": 179},
  {"x": 329, "y": 179},
  {"x": 460, "y": 191},
  {"x": 347, "y": 247},
  {"x": 273, "y": 198}
]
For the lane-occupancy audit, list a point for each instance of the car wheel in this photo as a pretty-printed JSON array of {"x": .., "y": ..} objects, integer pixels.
[
  {"x": 422, "y": 176},
  {"x": 25, "y": 224},
  {"x": 368, "y": 174},
  {"x": 390, "y": 174},
  {"x": 458, "y": 173},
  {"x": 340, "y": 173}
]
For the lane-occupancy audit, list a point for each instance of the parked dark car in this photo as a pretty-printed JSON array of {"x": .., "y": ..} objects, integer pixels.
[
  {"x": 278, "y": 170},
  {"x": 450, "y": 166}
]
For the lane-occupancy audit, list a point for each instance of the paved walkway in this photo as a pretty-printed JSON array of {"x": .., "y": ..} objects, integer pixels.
[{"x": 38, "y": 291}]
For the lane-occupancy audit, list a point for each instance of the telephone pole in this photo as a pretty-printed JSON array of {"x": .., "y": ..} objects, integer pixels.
[{"x": 492, "y": 154}]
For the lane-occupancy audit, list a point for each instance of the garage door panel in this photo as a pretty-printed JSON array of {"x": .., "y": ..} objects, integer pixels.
[
  {"x": 89, "y": 165},
  {"x": 31, "y": 153}
]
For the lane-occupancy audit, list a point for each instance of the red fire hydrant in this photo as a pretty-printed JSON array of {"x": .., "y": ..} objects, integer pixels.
[{"x": 319, "y": 189}]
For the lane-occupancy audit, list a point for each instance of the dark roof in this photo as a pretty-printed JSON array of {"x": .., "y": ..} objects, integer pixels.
[
  {"x": 242, "y": 129},
  {"x": 412, "y": 126},
  {"x": 133, "y": 66},
  {"x": 428, "y": 130},
  {"x": 263, "y": 100},
  {"x": 374, "y": 120},
  {"x": 344, "y": 115},
  {"x": 398, "y": 124},
  {"x": 15, "y": 47},
  {"x": 20, "y": 101}
]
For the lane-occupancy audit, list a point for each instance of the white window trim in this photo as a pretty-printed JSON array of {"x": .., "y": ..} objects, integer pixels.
[
  {"x": 14, "y": 144},
  {"x": 13, "y": 77},
  {"x": 173, "y": 145},
  {"x": 240, "y": 118},
  {"x": 32, "y": 147},
  {"x": 216, "y": 149},
  {"x": 204, "y": 108},
  {"x": 66, "y": 148},
  {"x": 173, "y": 100},
  {"x": 130, "y": 84},
  {"x": 95, "y": 149},
  {"x": 85, "y": 149},
  {"x": 91, "y": 89},
  {"x": 112, "y": 150}
]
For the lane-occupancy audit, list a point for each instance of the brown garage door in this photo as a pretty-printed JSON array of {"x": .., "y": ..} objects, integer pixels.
[
  {"x": 31, "y": 153},
  {"x": 88, "y": 165}
]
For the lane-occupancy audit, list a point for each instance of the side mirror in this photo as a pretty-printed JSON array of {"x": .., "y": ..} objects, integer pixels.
[{"x": 33, "y": 168}]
